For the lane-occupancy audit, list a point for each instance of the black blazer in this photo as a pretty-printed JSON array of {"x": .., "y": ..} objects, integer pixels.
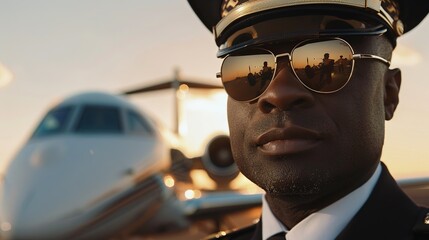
[{"x": 388, "y": 214}]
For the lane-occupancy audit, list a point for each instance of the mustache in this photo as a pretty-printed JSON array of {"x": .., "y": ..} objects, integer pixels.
[{"x": 285, "y": 119}]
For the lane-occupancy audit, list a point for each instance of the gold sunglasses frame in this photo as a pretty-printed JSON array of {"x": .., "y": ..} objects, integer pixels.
[{"x": 289, "y": 56}]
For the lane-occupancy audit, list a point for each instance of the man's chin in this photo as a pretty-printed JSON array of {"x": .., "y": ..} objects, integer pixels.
[
  {"x": 296, "y": 185},
  {"x": 293, "y": 191}
]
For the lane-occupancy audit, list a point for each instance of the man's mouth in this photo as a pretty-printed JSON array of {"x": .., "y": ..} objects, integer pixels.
[{"x": 287, "y": 140}]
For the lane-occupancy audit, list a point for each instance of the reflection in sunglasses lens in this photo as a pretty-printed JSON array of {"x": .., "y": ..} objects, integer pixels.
[
  {"x": 245, "y": 77},
  {"x": 323, "y": 66}
]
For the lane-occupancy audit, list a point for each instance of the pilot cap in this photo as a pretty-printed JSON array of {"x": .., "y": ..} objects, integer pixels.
[{"x": 241, "y": 23}]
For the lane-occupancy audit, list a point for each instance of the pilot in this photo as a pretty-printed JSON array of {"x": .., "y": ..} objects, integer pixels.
[{"x": 315, "y": 150}]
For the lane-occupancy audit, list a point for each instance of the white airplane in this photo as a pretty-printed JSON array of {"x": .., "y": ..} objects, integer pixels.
[{"x": 97, "y": 167}]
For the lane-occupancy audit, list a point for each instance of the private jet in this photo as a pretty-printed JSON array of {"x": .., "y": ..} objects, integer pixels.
[{"x": 97, "y": 167}]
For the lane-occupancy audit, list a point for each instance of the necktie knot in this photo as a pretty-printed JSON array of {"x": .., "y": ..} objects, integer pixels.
[{"x": 278, "y": 236}]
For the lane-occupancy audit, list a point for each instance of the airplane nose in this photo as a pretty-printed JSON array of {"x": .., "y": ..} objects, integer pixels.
[
  {"x": 31, "y": 194},
  {"x": 6, "y": 210},
  {"x": 26, "y": 219},
  {"x": 25, "y": 212},
  {"x": 13, "y": 224},
  {"x": 5, "y": 228}
]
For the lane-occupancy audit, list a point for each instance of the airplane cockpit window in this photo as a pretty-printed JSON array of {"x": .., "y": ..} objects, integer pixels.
[
  {"x": 54, "y": 122},
  {"x": 99, "y": 119},
  {"x": 137, "y": 124}
]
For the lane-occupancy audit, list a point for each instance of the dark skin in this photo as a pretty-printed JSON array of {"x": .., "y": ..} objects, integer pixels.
[{"x": 334, "y": 141}]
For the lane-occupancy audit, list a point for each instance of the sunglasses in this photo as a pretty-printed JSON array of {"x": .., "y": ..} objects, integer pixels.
[{"x": 321, "y": 65}]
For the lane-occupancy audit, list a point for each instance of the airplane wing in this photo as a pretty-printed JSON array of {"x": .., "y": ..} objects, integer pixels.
[
  {"x": 174, "y": 84},
  {"x": 217, "y": 204}
]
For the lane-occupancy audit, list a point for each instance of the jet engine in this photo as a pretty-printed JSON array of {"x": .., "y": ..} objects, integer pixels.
[{"x": 218, "y": 161}]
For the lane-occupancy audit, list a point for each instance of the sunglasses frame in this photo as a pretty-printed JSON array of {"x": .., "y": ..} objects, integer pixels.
[{"x": 290, "y": 59}]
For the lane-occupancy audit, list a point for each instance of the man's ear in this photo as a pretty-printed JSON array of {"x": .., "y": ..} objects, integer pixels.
[{"x": 392, "y": 84}]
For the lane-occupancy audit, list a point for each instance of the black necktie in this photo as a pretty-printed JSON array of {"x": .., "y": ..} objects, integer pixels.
[{"x": 278, "y": 236}]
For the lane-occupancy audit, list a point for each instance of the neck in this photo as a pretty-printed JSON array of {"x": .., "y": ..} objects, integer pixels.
[{"x": 290, "y": 210}]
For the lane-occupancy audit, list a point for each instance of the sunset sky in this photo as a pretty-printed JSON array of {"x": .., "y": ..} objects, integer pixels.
[{"x": 53, "y": 49}]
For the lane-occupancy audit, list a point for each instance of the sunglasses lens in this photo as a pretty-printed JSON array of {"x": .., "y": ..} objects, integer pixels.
[
  {"x": 245, "y": 76},
  {"x": 323, "y": 66}
]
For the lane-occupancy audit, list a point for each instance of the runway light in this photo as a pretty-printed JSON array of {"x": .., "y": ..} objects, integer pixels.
[
  {"x": 182, "y": 91},
  {"x": 221, "y": 234},
  {"x": 197, "y": 193},
  {"x": 192, "y": 194},
  {"x": 184, "y": 88},
  {"x": 189, "y": 194},
  {"x": 169, "y": 181},
  {"x": 5, "y": 226}
]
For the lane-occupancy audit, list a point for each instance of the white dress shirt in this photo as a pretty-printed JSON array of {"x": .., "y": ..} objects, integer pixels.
[{"x": 325, "y": 224}]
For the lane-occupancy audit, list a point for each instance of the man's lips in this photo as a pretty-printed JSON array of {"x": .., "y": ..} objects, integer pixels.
[{"x": 287, "y": 140}]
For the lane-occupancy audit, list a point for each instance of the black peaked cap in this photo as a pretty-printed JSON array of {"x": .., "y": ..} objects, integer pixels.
[{"x": 412, "y": 12}]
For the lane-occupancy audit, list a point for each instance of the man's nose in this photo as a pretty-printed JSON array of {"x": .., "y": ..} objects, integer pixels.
[{"x": 285, "y": 92}]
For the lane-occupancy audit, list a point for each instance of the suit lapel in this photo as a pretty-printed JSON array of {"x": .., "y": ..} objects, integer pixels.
[
  {"x": 257, "y": 234},
  {"x": 387, "y": 214}
]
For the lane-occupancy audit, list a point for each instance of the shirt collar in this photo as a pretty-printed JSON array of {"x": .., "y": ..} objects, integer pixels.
[
  {"x": 325, "y": 224},
  {"x": 270, "y": 224}
]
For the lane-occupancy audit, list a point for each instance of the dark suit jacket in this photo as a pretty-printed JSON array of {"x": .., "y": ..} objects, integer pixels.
[{"x": 388, "y": 214}]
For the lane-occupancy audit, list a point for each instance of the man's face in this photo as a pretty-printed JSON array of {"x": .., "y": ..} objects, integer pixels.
[{"x": 291, "y": 141}]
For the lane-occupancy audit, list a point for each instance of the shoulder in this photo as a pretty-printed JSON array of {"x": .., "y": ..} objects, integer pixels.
[
  {"x": 243, "y": 233},
  {"x": 421, "y": 227}
]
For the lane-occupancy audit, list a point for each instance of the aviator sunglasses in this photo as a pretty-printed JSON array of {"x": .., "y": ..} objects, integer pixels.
[{"x": 321, "y": 65}]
